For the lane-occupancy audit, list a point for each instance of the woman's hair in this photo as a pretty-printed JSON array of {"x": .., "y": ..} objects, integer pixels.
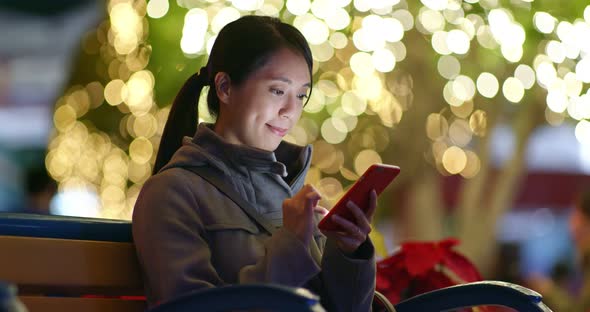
[{"x": 241, "y": 47}]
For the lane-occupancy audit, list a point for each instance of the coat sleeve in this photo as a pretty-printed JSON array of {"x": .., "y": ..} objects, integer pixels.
[
  {"x": 175, "y": 257},
  {"x": 346, "y": 283}
]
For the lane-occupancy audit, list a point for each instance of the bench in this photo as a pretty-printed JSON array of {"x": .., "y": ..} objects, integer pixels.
[
  {"x": 70, "y": 263},
  {"x": 84, "y": 264}
]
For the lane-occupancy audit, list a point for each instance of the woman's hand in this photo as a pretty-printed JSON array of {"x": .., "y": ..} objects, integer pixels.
[
  {"x": 298, "y": 213},
  {"x": 353, "y": 234}
]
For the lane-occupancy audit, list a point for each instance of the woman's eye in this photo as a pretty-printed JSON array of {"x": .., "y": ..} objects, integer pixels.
[
  {"x": 302, "y": 96},
  {"x": 276, "y": 91}
]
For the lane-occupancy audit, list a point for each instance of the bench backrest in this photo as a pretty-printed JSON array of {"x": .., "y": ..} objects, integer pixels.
[{"x": 70, "y": 272}]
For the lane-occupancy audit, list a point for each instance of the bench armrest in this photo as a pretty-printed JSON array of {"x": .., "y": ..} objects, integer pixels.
[
  {"x": 238, "y": 297},
  {"x": 476, "y": 294}
]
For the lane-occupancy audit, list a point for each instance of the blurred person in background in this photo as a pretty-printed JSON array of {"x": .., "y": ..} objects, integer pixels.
[
  {"x": 555, "y": 295},
  {"x": 40, "y": 189}
]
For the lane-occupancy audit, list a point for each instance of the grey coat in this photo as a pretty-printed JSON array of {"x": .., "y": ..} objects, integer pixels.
[{"x": 189, "y": 236}]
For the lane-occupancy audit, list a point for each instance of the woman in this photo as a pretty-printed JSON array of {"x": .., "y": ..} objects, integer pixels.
[{"x": 190, "y": 235}]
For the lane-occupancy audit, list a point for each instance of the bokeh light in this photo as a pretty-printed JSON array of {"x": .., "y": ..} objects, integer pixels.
[{"x": 362, "y": 89}]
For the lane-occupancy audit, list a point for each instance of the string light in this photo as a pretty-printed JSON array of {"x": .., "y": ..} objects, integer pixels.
[{"x": 357, "y": 47}]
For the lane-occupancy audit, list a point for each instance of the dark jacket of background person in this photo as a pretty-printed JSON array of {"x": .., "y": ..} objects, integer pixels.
[
  {"x": 560, "y": 300},
  {"x": 190, "y": 236}
]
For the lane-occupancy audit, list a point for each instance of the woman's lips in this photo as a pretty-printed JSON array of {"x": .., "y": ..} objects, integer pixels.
[{"x": 278, "y": 131}]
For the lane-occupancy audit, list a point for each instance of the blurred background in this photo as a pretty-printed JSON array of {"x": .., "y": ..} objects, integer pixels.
[{"x": 483, "y": 104}]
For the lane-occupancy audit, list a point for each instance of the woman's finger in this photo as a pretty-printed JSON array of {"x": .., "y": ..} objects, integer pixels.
[
  {"x": 321, "y": 210},
  {"x": 349, "y": 228},
  {"x": 361, "y": 218},
  {"x": 372, "y": 205}
]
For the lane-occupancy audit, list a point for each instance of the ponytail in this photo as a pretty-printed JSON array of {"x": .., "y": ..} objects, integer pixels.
[{"x": 183, "y": 118}]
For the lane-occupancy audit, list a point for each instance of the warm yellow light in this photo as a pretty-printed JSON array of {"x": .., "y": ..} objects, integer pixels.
[
  {"x": 448, "y": 66},
  {"x": 463, "y": 88},
  {"x": 405, "y": 17},
  {"x": 526, "y": 75},
  {"x": 338, "y": 19},
  {"x": 367, "y": 40},
  {"x": 196, "y": 23},
  {"x": 115, "y": 91},
  {"x": 556, "y": 51},
  {"x": 365, "y": 159},
  {"x": 224, "y": 17},
  {"x": 460, "y": 132},
  {"x": 392, "y": 30},
  {"x": 478, "y": 123},
  {"x": 464, "y": 110},
  {"x": 512, "y": 53},
  {"x": 458, "y": 41},
  {"x": 141, "y": 150},
  {"x": 353, "y": 104},
  {"x": 579, "y": 107},
  {"x": 362, "y": 5},
  {"x": 573, "y": 86},
  {"x": 322, "y": 52},
  {"x": 64, "y": 117},
  {"x": 399, "y": 51},
  {"x": 361, "y": 64},
  {"x": 139, "y": 87},
  {"x": 449, "y": 95},
  {"x": 247, "y": 5},
  {"x": 298, "y": 7},
  {"x": 546, "y": 74},
  {"x": 432, "y": 20},
  {"x": 486, "y": 38},
  {"x": 438, "y": 5},
  {"x": 553, "y": 118},
  {"x": 80, "y": 101},
  {"x": 487, "y": 85},
  {"x": 316, "y": 103},
  {"x": 157, "y": 8},
  {"x": 329, "y": 88},
  {"x": 330, "y": 188},
  {"x": 557, "y": 101},
  {"x": 544, "y": 22},
  {"x": 513, "y": 90},
  {"x": 369, "y": 87},
  {"x": 467, "y": 27},
  {"x": 314, "y": 30},
  {"x": 583, "y": 70},
  {"x": 582, "y": 132},
  {"x": 454, "y": 160},
  {"x": 565, "y": 32},
  {"x": 439, "y": 43},
  {"x": 338, "y": 40},
  {"x": 472, "y": 166},
  {"x": 145, "y": 125},
  {"x": 383, "y": 60},
  {"x": 334, "y": 130},
  {"x": 324, "y": 155},
  {"x": 436, "y": 126}
]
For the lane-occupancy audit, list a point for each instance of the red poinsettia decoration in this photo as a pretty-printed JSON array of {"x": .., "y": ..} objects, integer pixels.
[{"x": 419, "y": 267}]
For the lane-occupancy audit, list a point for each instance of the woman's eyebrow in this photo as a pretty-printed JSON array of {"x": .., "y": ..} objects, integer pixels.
[{"x": 287, "y": 80}]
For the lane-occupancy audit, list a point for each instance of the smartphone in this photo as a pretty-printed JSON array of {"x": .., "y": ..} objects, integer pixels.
[{"x": 377, "y": 177}]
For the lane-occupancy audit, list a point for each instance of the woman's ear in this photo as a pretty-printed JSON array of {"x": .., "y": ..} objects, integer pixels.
[{"x": 222, "y": 87}]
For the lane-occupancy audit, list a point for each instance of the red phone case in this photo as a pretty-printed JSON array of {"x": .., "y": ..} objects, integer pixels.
[{"x": 377, "y": 176}]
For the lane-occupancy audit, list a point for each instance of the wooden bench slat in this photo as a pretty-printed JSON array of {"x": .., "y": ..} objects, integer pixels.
[
  {"x": 69, "y": 265},
  {"x": 57, "y": 304}
]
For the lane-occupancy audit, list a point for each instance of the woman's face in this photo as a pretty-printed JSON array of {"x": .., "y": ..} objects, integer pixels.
[{"x": 262, "y": 109}]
